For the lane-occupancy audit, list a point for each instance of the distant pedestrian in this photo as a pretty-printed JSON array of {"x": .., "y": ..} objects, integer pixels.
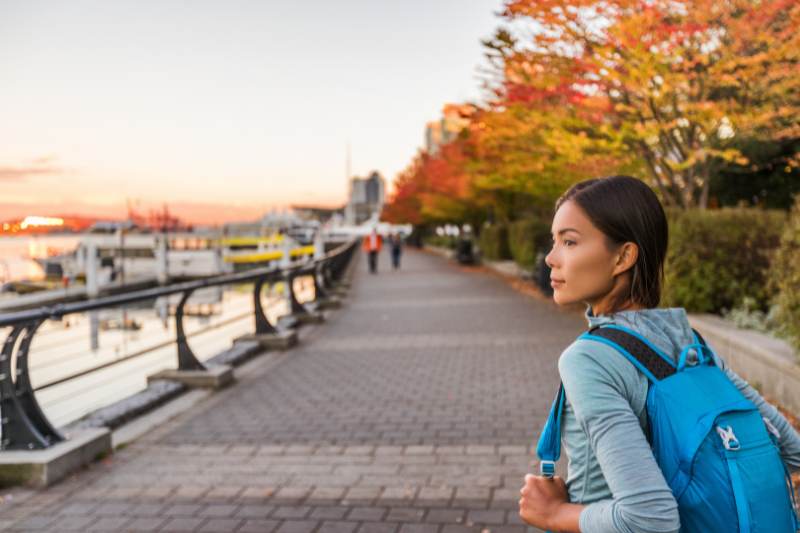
[
  {"x": 372, "y": 245},
  {"x": 397, "y": 251}
]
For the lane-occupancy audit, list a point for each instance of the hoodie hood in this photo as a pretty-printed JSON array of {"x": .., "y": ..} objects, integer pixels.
[{"x": 667, "y": 329}]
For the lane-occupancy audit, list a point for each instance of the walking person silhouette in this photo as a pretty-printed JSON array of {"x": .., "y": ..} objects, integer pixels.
[
  {"x": 397, "y": 250},
  {"x": 372, "y": 245}
]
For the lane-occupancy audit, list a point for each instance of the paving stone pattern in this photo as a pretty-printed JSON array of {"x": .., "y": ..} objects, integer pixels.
[{"x": 414, "y": 409}]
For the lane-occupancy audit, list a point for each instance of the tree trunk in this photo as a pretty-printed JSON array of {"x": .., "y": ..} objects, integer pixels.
[
  {"x": 666, "y": 195},
  {"x": 706, "y": 187}
]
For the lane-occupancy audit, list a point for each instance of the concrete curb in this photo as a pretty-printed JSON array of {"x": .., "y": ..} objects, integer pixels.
[
  {"x": 508, "y": 268},
  {"x": 447, "y": 253},
  {"x": 240, "y": 352},
  {"x": 117, "y": 414},
  {"x": 214, "y": 377},
  {"x": 40, "y": 468}
]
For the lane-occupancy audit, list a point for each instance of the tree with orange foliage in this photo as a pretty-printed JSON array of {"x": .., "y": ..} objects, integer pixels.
[
  {"x": 435, "y": 188},
  {"x": 527, "y": 152},
  {"x": 405, "y": 206},
  {"x": 681, "y": 83}
]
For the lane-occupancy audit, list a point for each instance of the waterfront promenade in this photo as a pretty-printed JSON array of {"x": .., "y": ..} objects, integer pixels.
[{"x": 414, "y": 409}]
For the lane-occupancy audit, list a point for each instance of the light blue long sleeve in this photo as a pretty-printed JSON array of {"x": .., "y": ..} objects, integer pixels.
[
  {"x": 616, "y": 472},
  {"x": 611, "y": 465}
]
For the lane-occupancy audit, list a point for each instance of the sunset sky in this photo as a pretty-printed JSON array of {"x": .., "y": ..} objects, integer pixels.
[{"x": 223, "y": 109}]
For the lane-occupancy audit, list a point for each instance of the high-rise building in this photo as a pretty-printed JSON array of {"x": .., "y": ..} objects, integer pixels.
[
  {"x": 454, "y": 119},
  {"x": 367, "y": 196}
]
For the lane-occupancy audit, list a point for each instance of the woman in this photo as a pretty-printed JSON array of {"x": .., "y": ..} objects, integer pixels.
[{"x": 609, "y": 246}]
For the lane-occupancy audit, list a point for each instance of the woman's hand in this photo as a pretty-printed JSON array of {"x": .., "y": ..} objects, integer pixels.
[{"x": 545, "y": 504}]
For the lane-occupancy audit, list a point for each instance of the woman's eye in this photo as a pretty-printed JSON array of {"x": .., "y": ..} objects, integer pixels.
[{"x": 568, "y": 242}]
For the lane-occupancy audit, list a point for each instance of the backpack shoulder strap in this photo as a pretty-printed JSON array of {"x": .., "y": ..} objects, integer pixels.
[
  {"x": 644, "y": 356},
  {"x": 700, "y": 340},
  {"x": 549, "y": 448},
  {"x": 627, "y": 343}
]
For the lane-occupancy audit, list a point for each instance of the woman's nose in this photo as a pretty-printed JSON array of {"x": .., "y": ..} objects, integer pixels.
[{"x": 549, "y": 260}]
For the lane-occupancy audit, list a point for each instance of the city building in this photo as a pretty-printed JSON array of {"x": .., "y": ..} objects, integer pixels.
[
  {"x": 454, "y": 119},
  {"x": 366, "y": 196}
]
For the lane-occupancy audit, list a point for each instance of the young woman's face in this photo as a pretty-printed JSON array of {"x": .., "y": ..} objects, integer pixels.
[{"x": 583, "y": 267}]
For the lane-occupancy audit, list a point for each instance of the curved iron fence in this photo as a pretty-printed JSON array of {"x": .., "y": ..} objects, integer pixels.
[{"x": 24, "y": 425}]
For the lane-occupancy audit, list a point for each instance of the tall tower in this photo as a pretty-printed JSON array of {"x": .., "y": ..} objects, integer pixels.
[{"x": 349, "y": 210}]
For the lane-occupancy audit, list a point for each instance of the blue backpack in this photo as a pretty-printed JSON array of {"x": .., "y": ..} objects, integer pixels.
[{"x": 718, "y": 455}]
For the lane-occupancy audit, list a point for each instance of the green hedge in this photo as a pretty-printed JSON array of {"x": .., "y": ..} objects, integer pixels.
[
  {"x": 494, "y": 243},
  {"x": 525, "y": 237},
  {"x": 785, "y": 279},
  {"x": 718, "y": 258}
]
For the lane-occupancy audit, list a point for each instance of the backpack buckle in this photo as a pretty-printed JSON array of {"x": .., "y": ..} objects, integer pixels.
[
  {"x": 729, "y": 440},
  {"x": 548, "y": 469}
]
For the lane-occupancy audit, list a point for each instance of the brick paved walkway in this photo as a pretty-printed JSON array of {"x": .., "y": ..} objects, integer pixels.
[{"x": 412, "y": 410}]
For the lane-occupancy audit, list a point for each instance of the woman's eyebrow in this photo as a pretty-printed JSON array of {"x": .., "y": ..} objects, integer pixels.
[{"x": 565, "y": 230}]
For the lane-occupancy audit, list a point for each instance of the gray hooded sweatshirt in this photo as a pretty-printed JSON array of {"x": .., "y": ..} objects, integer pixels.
[{"x": 611, "y": 466}]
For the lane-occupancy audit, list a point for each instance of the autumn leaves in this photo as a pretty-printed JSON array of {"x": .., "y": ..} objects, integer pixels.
[{"x": 669, "y": 91}]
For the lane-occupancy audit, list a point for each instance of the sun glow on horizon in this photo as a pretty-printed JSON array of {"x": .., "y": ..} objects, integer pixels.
[{"x": 35, "y": 222}]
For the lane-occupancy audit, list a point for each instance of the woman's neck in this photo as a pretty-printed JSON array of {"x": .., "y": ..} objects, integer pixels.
[
  {"x": 607, "y": 308},
  {"x": 615, "y": 301}
]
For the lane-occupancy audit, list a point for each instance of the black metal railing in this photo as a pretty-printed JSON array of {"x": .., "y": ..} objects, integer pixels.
[{"x": 24, "y": 425}]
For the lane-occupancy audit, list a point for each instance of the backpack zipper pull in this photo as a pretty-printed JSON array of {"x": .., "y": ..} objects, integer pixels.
[
  {"x": 772, "y": 429},
  {"x": 729, "y": 440}
]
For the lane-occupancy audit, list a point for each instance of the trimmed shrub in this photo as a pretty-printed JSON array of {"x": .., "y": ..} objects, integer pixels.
[
  {"x": 716, "y": 259},
  {"x": 494, "y": 243},
  {"x": 785, "y": 279},
  {"x": 526, "y": 237}
]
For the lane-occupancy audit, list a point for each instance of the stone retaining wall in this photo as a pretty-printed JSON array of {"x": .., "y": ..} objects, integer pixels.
[{"x": 766, "y": 363}]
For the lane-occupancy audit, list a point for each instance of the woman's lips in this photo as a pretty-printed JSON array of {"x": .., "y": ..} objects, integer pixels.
[{"x": 556, "y": 283}]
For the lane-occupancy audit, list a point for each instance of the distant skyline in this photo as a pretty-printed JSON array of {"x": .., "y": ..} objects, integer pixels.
[{"x": 223, "y": 110}]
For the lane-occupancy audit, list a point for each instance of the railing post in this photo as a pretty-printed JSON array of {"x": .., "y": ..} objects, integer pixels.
[
  {"x": 22, "y": 384},
  {"x": 262, "y": 324},
  {"x": 327, "y": 276},
  {"x": 319, "y": 283},
  {"x": 296, "y": 307},
  {"x": 186, "y": 358},
  {"x": 338, "y": 266},
  {"x": 19, "y": 430}
]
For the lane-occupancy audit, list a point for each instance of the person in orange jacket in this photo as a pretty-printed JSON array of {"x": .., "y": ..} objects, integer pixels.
[{"x": 372, "y": 245}]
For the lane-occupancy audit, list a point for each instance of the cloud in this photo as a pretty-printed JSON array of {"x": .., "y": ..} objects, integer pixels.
[
  {"x": 44, "y": 160},
  {"x": 41, "y": 166}
]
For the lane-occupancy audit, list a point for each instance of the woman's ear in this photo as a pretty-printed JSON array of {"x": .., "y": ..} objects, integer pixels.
[{"x": 627, "y": 254}]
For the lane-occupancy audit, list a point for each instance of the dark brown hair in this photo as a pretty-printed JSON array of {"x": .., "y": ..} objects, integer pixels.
[{"x": 627, "y": 210}]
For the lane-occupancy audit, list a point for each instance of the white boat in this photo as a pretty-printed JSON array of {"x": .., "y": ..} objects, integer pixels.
[{"x": 132, "y": 255}]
